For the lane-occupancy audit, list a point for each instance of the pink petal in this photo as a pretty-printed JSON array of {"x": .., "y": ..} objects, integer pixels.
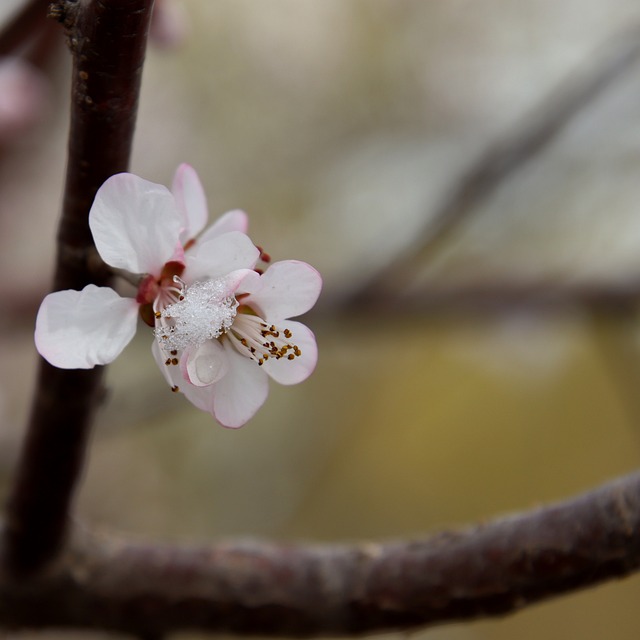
[
  {"x": 135, "y": 224},
  {"x": 293, "y": 371},
  {"x": 219, "y": 255},
  {"x": 200, "y": 397},
  {"x": 206, "y": 364},
  {"x": 191, "y": 200},
  {"x": 241, "y": 392},
  {"x": 235, "y": 220},
  {"x": 81, "y": 329},
  {"x": 286, "y": 290}
]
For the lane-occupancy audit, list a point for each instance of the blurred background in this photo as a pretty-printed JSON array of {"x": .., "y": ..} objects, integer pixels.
[{"x": 466, "y": 177}]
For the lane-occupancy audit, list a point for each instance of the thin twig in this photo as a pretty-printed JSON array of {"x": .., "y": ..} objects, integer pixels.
[
  {"x": 296, "y": 590},
  {"x": 108, "y": 44}
]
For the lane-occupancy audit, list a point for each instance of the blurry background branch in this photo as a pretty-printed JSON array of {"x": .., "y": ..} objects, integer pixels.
[
  {"x": 259, "y": 588},
  {"x": 500, "y": 161},
  {"x": 23, "y": 26}
]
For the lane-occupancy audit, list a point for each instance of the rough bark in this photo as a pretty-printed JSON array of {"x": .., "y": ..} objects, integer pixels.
[{"x": 272, "y": 589}]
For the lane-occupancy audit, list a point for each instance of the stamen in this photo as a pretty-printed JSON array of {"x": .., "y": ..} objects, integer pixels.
[{"x": 255, "y": 339}]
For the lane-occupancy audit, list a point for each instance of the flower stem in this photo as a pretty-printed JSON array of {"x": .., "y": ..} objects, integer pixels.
[{"x": 108, "y": 41}]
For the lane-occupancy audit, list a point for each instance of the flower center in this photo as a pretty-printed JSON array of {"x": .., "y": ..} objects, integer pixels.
[{"x": 202, "y": 312}]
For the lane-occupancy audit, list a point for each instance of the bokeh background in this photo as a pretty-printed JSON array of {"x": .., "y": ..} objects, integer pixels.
[{"x": 491, "y": 366}]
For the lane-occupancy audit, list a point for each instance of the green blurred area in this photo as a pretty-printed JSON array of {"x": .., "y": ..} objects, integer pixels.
[{"x": 339, "y": 126}]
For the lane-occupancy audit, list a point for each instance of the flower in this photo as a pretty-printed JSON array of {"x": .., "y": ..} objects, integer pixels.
[
  {"x": 221, "y": 327},
  {"x": 226, "y": 363}
]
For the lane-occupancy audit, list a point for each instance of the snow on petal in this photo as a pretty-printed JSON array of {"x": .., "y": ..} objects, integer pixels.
[
  {"x": 135, "y": 223},
  {"x": 235, "y": 220},
  {"x": 297, "y": 369},
  {"x": 240, "y": 393},
  {"x": 191, "y": 201},
  {"x": 219, "y": 255},
  {"x": 82, "y": 329},
  {"x": 286, "y": 290},
  {"x": 207, "y": 363},
  {"x": 204, "y": 311}
]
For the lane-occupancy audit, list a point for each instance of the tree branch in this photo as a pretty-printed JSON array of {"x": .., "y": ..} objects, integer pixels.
[
  {"x": 296, "y": 590},
  {"x": 108, "y": 42}
]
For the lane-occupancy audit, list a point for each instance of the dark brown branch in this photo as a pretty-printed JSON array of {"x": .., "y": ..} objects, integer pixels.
[
  {"x": 108, "y": 44},
  {"x": 295, "y": 590},
  {"x": 509, "y": 155}
]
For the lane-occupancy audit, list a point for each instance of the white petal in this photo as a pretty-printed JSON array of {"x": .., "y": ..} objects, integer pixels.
[
  {"x": 201, "y": 397},
  {"x": 293, "y": 371},
  {"x": 207, "y": 364},
  {"x": 235, "y": 220},
  {"x": 219, "y": 255},
  {"x": 286, "y": 290},
  {"x": 80, "y": 329},
  {"x": 135, "y": 223},
  {"x": 241, "y": 392},
  {"x": 191, "y": 201}
]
